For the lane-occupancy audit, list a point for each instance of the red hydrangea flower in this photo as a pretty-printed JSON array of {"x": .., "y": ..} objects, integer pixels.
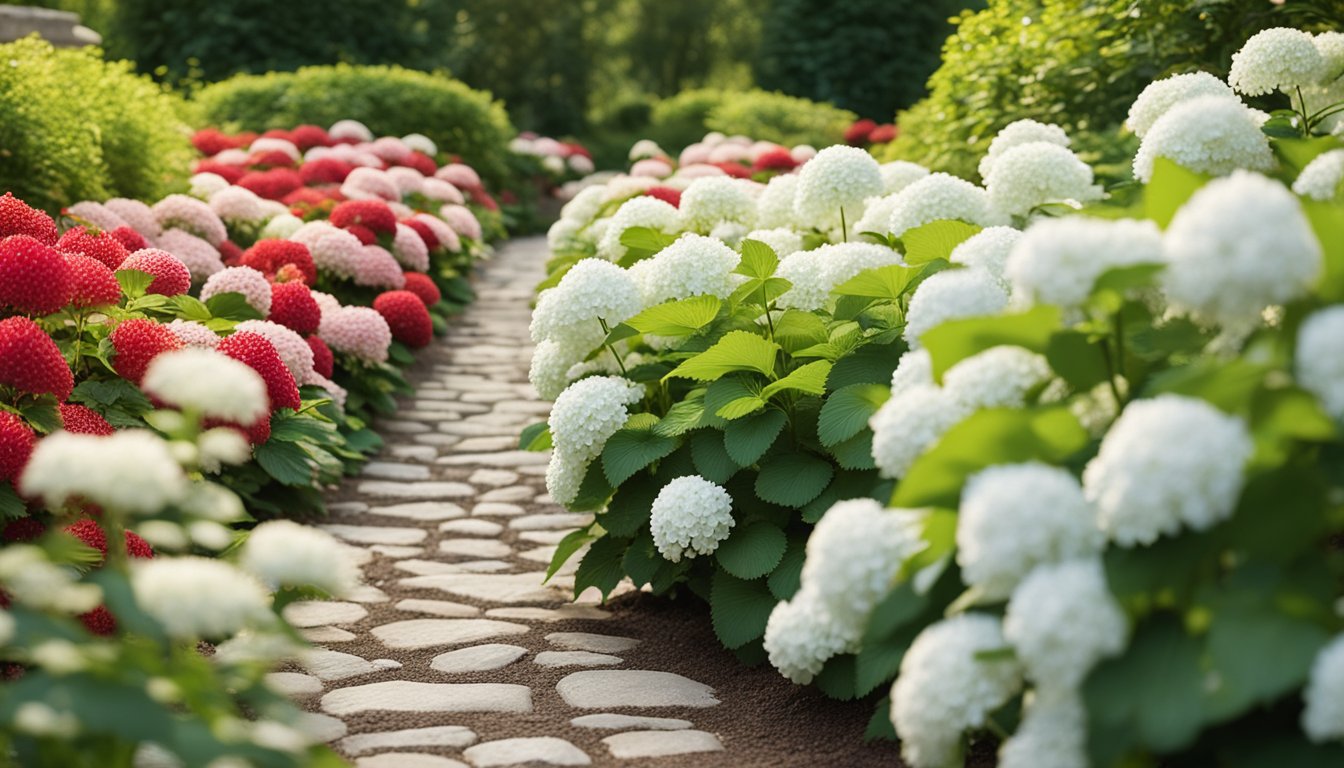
[
  {"x": 171, "y": 276},
  {"x": 736, "y": 170},
  {"x": 423, "y": 286},
  {"x": 422, "y": 229},
  {"x": 272, "y": 158},
  {"x": 407, "y": 316},
  {"x": 325, "y": 170},
  {"x": 138, "y": 547},
  {"x": 365, "y": 235},
  {"x": 306, "y": 137},
  {"x": 137, "y": 342},
  {"x": 212, "y": 141},
  {"x": 230, "y": 253},
  {"x": 92, "y": 283},
  {"x": 324, "y": 362},
  {"x": 260, "y": 355},
  {"x": 667, "y": 194},
  {"x": 268, "y": 256},
  {"x": 293, "y": 306},
  {"x": 83, "y": 420},
  {"x": 92, "y": 535},
  {"x": 19, "y": 218},
  {"x": 374, "y": 214},
  {"x": 24, "y": 529},
  {"x": 34, "y": 277},
  {"x": 96, "y": 245},
  {"x": 775, "y": 160},
  {"x": 30, "y": 361},
  {"x": 858, "y": 133},
  {"x": 305, "y": 197},
  {"x": 277, "y": 133},
  {"x": 16, "y": 445},
  {"x": 133, "y": 241},
  {"x": 482, "y": 198},
  {"x": 884, "y": 133},
  {"x": 230, "y": 173},
  {"x": 273, "y": 184},
  {"x": 420, "y": 162},
  {"x": 99, "y": 621}
]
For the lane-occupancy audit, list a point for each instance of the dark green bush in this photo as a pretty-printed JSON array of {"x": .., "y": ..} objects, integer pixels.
[
  {"x": 680, "y": 120},
  {"x": 686, "y": 117},
  {"x": 75, "y": 127},
  {"x": 390, "y": 100}
]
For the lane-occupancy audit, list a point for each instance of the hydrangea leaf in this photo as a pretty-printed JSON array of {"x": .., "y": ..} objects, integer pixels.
[
  {"x": 1327, "y": 221},
  {"x": 11, "y": 506},
  {"x": 677, "y": 318},
  {"x": 890, "y": 282},
  {"x": 601, "y": 567},
  {"x": 739, "y": 609},
  {"x": 285, "y": 462},
  {"x": 630, "y": 450},
  {"x": 809, "y": 379},
  {"x": 848, "y": 410},
  {"x": 536, "y": 437},
  {"x": 747, "y": 440},
  {"x": 793, "y": 479},
  {"x": 752, "y": 551},
  {"x": 736, "y": 351},
  {"x": 758, "y": 260},
  {"x": 628, "y": 510},
  {"x": 570, "y": 544},
  {"x": 956, "y": 340},
  {"x": 787, "y": 577},
  {"x": 734, "y": 397},
  {"x": 795, "y": 330},
  {"x": 935, "y": 240},
  {"x": 711, "y": 458},
  {"x": 1171, "y": 186},
  {"x": 683, "y": 416},
  {"x": 232, "y": 306}
]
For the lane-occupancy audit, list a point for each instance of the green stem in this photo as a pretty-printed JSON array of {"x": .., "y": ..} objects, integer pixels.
[
  {"x": 765, "y": 302},
  {"x": 79, "y": 343},
  {"x": 607, "y": 332},
  {"x": 1323, "y": 113},
  {"x": 1306, "y": 119},
  {"x": 844, "y": 228},
  {"x": 1119, "y": 354}
]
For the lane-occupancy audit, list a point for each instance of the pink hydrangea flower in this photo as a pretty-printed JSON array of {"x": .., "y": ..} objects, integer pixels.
[
  {"x": 139, "y": 216},
  {"x": 442, "y": 191},
  {"x": 359, "y": 332},
  {"x": 336, "y": 391},
  {"x": 245, "y": 280},
  {"x": 186, "y": 212},
  {"x": 334, "y": 250},
  {"x": 462, "y": 220},
  {"x": 293, "y": 349},
  {"x": 410, "y": 250},
  {"x": 194, "y": 334},
  {"x": 390, "y": 148},
  {"x": 97, "y": 214},
  {"x": 652, "y": 167},
  {"x": 326, "y": 302},
  {"x": 350, "y": 130},
  {"x": 370, "y": 184},
  {"x": 377, "y": 268},
  {"x": 238, "y": 204},
  {"x": 459, "y": 175},
  {"x": 695, "y": 153},
  {"x": 201, "y": 258},
  {"x": 274, "y": 144},
  {"x": 408, "y": 180},
  {"x": 442, "y": 232}
]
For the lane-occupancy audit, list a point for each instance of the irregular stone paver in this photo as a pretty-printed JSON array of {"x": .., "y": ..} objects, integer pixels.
[
  {"x": 514, "y": 493},
  {"x": 496, "y": 509},
  {"x": 316, "y": 613},
  {"x": 492, "y": 477},
  {"x": 436, "y": 736},
  {"x": 566, "y": 520},
  {"x": 372, "y": 534},
  {"x": 478, "y": 658},
  {"x": 427, "y": 633},
  {"x": 294, "y": 683},
  {"x": 328, "y": 635},
  {"x": 407, "y": 696},
  {"x": 501, "y": 588},
  {"x": 614, "y": 688},
  {"x": 421, "y": 510},
  {"x": 576, "y": 659},
  {"x": 584, "y": 641},
  {"x": 434, "y": 567},
  {"x": 634, "y": 744},
  {"x": 334, "y": 665},
  {"x": 611, "y": 722},
  {"x": 547, "y": 750},
  {"x": 443, "y": 608},
  {"x": 408, "y": 760},
  {"x": 472, "y": 527},
  {"x": 423, "y": 490},
  {"x": 390, "y": 470},
  {"x": 562, "y": 613},
  {"x": 485, "y": 548}
]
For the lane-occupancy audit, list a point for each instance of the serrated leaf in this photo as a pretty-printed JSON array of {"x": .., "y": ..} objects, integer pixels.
[
  {"x": 935, "y": 240},
  {"x": 677, "y": 318},
  {"x": 190, "y": 308},
  {"x": 232, "y": 306},
  {"x": 747, "y": 440},
  {"x": 809, "y": 379},
  {"x": 739, "y": 609},
  {"x": 795, "y": 330},
  {"x": 872, "y": 364},
  {"x": 631, "y": 450},
  {"x": 955, "y": 340},
  {"x": 11, "y": 506},
  {"x": 787, "y": 577},
  {"x": 760, "y": 292},
  {"x": 683, "y": 416},
  {"x": 642, "y": 561},
  {"x": 890, "y": 282},
  {"x": 711, "y": 458},
  {"x": 736, "y": 351},
  {"x": 646, "y": 239},
  {"x": 628, "y": 510},
  {"x": 1170, "y": 187},
  {"x": 594, "y": 491},
  {"x": 285, "y": 462},
  {"x": 753, "y": 551},
  {"x": 134, "y": 282},
  {"x": 44, "y": 417},
  {"x": 848, "y": 410},
  {"x": 601, "y": 567},
  {"x": 856, "y": 452},
  {"x": 535, "y": 437},
  {"x": 793, "y": 479},
  {"x": 571, "y": 543},
  {"x": 758, "y": 260}
]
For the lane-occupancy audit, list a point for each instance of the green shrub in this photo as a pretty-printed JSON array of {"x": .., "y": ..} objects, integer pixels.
[
  {"x": 680, "y": 120},
  {"x": 1077, "y": 65},
  {"x": 77, "y": 127},
  {"x": 391, "y": 101},
  {"x": 784, "y": 119}
]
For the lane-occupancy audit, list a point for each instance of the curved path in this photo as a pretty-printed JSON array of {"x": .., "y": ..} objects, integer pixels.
[{"x": 455, "y": 654}]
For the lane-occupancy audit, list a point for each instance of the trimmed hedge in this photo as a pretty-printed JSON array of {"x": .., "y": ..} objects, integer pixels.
[
  {"x": 685, "y": 118},
  {"x": 390, "y": 100},
  {"x": 76, "y": 127}
]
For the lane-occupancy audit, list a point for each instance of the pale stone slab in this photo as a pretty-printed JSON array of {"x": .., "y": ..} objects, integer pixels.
[
  {"x": 576, "y": 659},
  {"x": 478, "y": 658},
  {"x": 496, "y": 509},
  {"x": 421, "y": 510},
  {"x": 408, "y": 760},
  {"x": 511, "y": 493},
  {"x": 463, "y": 429},
  {"x": 585, "y": 641},
  {"x": 482, "y": 548},
  {"x": 562, "y": 520},
  {"x": 536, "y": 471},
  {"x": 330, "y": 665},
  {"x": 294, "y": 684},
  {"x": 408, "y": 696},
  {"x": 427, "y": 633},
  {"x": 452, "y": 736},
  {"x": 486, "y": 397},
  {"x": 367, "y": 593},
  {"x": 429, "y": 489},
  {"x": 547, "y": 750},
  {"x": 326, "y": 635},
  {"x": 414, "y": 452},
  {"x": 543, "y": 537},
  {"x": 614, "y": 722},
  {"x": 372, "y": 534},
  {"x": 636, "y": 744},
  {"x": 443, "y": 608},
  {"x": 494, "y": 459},
  {"x": 472, "y": 527},
  {"x": 434, "y": 567},
  {"x": 500, "y": 588},
  {"x": 347, "y": 507},
  {"x": 437, "y": 440},
  {"x": 484, "y": 444},
  {"x": 395, "y": 551},
  {"x": 401, "y": 427},
  {"x": 492, "y": 477},
  {"x": 321, "y": 728},
  {"x": 565, "y": 612},
  {"x": 392, "y": 470},
  {"x": 613, "y": 688},
  {"x": 317, "y": 613}
]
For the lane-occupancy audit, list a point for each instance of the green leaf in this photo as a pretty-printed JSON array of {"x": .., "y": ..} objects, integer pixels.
[
  {"x": 847, "y": 411},
  {"x": 935, "y": 240},
  {"x": 1171, "y": 186},
  {"x": 190, "y": 308},
  {"x": 630, "y": 450},
  {"x": 536, "y": 437},
  {"x": 1327, "y": 221},
  {"x": 1077, "y": 359},
  {"x": 601, "y": 567},
  {"x": 11, "y": 506},
  {"x": 286, "y": 462},
  {"x": 793, "y": 479},
  {"x": 889, "y": 282},
  {"x": 642, "y": 561},
  {"x": 956, "y": 340},
  {"x": 683, "y": 416},
  {"x": 759, "y": 293},
  {"x": 593, "y": 492},
  {"x": 628, "y": 510},
  {"x": 1228, "y": 385},
  {"x": 758, "y": 260},
  {"x": 856, "y": 452},
  {"x": 571, "y": 543},
  {"x": 642, "y": 242},
  {"x": 133, "y": 282},
  {"x": 44, "y": 417},
  {"x": 736, "y": 351},
  {"x": 733, "y": 397},
  {"x": 711, "y": 458},
  {"x": 795, "y": 330},
  {"x": 872, "y": 364},
  {"x": 787, "y": 578},
  {"x": 747, "y": 440},
  {"x": 232, "y": 306},
  {"x": 879, "y": 725},
  {"x": 677, "y": 318},
  {"x": 809, "y": 379},
  {"x": 739, "y": 609},
  {"x": 837, "y": 679},
  {"x": 752, "y": 551}
]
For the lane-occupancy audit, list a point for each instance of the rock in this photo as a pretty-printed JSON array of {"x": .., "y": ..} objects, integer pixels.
[
  {"x": 408, "y": 760},
  {"x": 543, "y": 537},
  {"x": 421, "y": 510},
  {"x": 372, "y": 534},
  {"x": 636, "y": 744},
  {"x": 584, "y": 641},
  {"x": 401, "y": 427},
  {"x": 367, "y": 593},
  {"x": 333, "y": 665},
  {"x": 396, "y": 552},
  {"x": 483, "y": 444},
  {"x": 427, "y": 633},
  {"x": 492, "y": 477},
  {"x": 347, "y": 507},
  {"x": 328, "y": 635},
  {"x": 496, "y": 459},
  {"x": 429, "y": 489},
  {"x": 434, "y": 567},
  {"x": 478, "y": 658},
  {"x": 390, "y": 470},
  {"x": 614, "y": 722},
  {"x": 294, "y": 684},
  {"x": 439, "y": 608},
  {"x": 414, "y": 452},
  {"x": 320, "y": 728},
  {"x": 547, "y": 750},
  {"x": 317, "y": 613},
  {"x": 407, "y": 696},
  {"x": 452, "y": 736},
  {"x": 618, "y": 688},
  {"x": 499, "y": 588},
  {"x": 495, "y": 509},
  {"x": 564, "y": 520},
  {"x": 480, "y": 548},
  {"x": 565, "y": 612},
  {"x": 511, "y": 493},
  {"x": 576, "y": 659},
  {"x": 472, "y": 528}
]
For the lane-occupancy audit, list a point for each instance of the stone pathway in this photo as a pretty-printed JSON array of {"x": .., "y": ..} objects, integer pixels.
[{"x": 455, "y": 653}]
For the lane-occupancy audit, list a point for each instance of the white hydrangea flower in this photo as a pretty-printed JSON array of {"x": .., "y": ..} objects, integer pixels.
[
  {"x": 1323, "y": 717},
  {"x": 899, "y": 174},
  {"x": 943, "y": 688},
  {"x": 815, "y": 273},
  {"x": 781, "y": 240},
  {"x": 210, "y": 383},
  {"x": 222, "y": 446},
  {"x": 1276, "y": 59},
  {"x": 952, "y": 294},
  {"x": 690, "y": 516},
  {"x": 592, "y": 292},
  {"x": 987, "y": 249},
  {"x": 564, "y": 476},
  {"x": 838, "y": 178},
  {"x": 283, "y": 553},
  {"x": 130, "y": 471},
  {"x": 1058, "y": 261},
  {"x": 565, "y": 234},
  {"x": 693, "y": 265},
  {"x": 645, "y": 148},
  {"x": 914, "y": 369},
  {"x": 200, "y": 598},
  {"x": 999, "y": 377},
  {"x": 280, "y": 227},
  {"x": 1330, "y": 90},
  {"x": 1052, "y": 734},
  {"x": 1062, "y": 620},
  {"x": 1167, "y": 462},
  {"x": 550, "y": 361},
  {"x": 876, "y": 215},
  {"x": 801, "y": 636},
  {"x": 238, "y": 204},
  {"x": 1017, "y": 133},
  {"x": 1319, "y": 360},
  {"x": 729, "y": 232},
  {"x": 1217, "y": 243},
  {"x": 854, "y": 554},
  {"x": 203, "y": 185},
  {"x": 713, "y": 200},
  {"x": 641, "y": 211},
  {"x": 940, "y": 196},
  {"x": 774, "y": 206},
  {"x": 1209, "y": 134},
  {"x": 909, "y": 424},
  {"x": 1036, "y": 173},
  {"x": 1323, "y": 177},
  {"x": 1161, "y": 95},
  {"x": 585, "y": 205},
  {"x": 589, "y": 412},
  {"x": 31, "y": 578}
]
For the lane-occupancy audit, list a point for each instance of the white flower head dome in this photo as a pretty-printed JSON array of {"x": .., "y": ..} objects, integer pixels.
[
  {"x": 1323, "y": 177},
  {"x": 690, "y": 516},
  {"x": 909, "y": 424},
  {"x": 774, "y": 206},
  {"x": 712, "y": 200},
  {"x": 1277, "y": 59},
  {"x": 1017, "y": 133},
  {"x": 1209, "y": 134},
  {"x": 853, "y": 556},
  {"x": 1062, "y": 620},
  {"x": 1161, "y": 95},
  {"x": 693, "y": 265},
  {"x": 952, "y": 294},
  {"x": 815, "y": 273},
  {"x": 987, "y": 249},
  {"x": 838, "y": 179},
  {"x": 1039, "y": 172},
  {"x": 1319, "y": 359},
  {"x": 801, "y": 636},
  {"x": 940, "y": 196},
  {"x": 899, "y": 174},
  {"x": 1058, "y": 261},
  {"x": 638, "y": 211}
]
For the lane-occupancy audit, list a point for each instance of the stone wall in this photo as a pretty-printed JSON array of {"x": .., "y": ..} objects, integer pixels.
[{"x": 59, "y": 27}]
